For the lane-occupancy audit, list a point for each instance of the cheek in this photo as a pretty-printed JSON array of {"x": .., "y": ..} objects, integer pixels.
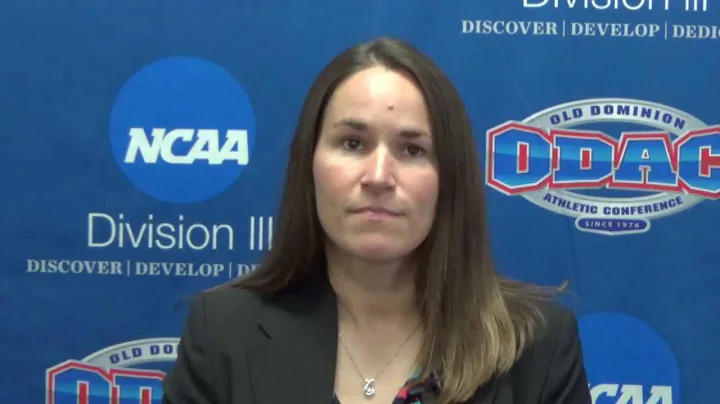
[
  {"x": 426, "y": 192},
  {"x": 328, "y": 181}
]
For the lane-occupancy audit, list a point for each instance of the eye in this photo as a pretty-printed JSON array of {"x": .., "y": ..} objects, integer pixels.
[
  {"x": 351, "y": 144},
  {"x": 415, "y": 150}
]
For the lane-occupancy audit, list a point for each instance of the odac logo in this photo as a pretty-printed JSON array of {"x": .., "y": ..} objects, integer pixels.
[
  {"x": 182, "y": 129},
  {"x": 627, "y": 362},
  {"x": 129, "y": 372},
  {"x": 564, "y": 160}
]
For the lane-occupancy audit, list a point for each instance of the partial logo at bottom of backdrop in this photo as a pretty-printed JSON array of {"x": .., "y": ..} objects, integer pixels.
[
  {"x": 627, "y": 362},
  {"x": 563, "y": 159},
  {"x": 129, "y": 372}
]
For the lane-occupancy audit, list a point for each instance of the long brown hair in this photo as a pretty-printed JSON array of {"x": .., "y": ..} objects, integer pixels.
[{"x": 477, "y": 323}]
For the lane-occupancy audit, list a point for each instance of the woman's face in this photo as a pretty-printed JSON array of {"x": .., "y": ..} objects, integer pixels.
[{"x": 376, "y": 179}]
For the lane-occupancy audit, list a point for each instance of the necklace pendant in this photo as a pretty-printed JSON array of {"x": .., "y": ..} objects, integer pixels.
[{"x": 369, "y": 387}]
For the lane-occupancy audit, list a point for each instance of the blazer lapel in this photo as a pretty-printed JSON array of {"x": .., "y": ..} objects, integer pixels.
[{"x": 295, "y": 360}]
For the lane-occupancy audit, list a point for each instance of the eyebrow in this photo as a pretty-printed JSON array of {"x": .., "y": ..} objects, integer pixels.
[{"x": 361, "y": 126}]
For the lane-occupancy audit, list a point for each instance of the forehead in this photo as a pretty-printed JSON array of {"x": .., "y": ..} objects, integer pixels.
[{"x": 373, "y": 91}]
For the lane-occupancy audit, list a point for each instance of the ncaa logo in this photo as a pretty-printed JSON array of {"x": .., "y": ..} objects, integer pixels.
[
  {"x": 182, "y": 130},
  {"x": 128, "y": 372},
  {"x": 627, "y": 361},
  {"x": 563, "y": 160}
]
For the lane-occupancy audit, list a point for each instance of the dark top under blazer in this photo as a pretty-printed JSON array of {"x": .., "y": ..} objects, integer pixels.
[{"x": 237, "y": 348}]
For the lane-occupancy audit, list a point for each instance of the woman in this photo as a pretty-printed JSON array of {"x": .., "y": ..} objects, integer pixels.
[{"x": 379, "y": 287}]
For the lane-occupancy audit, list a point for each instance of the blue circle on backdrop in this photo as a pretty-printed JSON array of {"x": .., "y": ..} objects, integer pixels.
[
  {"x": 626, "y": 359},
  {"x": 182, "y": 129}
]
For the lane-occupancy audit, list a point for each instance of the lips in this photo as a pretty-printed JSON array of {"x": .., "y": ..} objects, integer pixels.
[{"x": 375, "y": 210}]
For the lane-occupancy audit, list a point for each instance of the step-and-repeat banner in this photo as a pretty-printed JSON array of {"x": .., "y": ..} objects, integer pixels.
[{"x": 144, "y": 145}]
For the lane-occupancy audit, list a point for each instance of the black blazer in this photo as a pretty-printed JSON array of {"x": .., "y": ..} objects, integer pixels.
[{"x": 237, "y": 348}]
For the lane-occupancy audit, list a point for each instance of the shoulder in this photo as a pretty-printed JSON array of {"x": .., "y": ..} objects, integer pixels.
[
  {"x": 560, "y": 323},
  {"x": 552, "y": 366},
  {"x": 226, "y": 310},
  {"x": 227, "y": 302},
  {"x": 555, "y": 340},
  {"x": 216, "y": 326}
]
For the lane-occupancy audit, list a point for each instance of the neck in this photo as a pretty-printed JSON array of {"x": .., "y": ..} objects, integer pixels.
[{"x": 373, "y": 293}]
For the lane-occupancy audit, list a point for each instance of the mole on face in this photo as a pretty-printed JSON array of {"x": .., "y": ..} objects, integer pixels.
[{"x": 391, "y": 107}]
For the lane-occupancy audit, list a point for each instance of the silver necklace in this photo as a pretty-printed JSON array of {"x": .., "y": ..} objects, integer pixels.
[{"x": 369, "y": 382}]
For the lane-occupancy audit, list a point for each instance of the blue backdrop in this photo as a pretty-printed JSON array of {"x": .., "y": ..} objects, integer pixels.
[{"x": 144, "y": 144}]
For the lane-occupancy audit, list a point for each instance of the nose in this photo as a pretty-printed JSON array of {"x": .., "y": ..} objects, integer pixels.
[{"x": 380, "y": 169}]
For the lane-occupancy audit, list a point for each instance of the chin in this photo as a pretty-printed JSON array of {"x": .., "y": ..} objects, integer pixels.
[{"x": 379, "y": 251}]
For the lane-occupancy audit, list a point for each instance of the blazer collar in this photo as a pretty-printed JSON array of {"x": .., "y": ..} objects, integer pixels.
[{"x": 295, "y": 357}]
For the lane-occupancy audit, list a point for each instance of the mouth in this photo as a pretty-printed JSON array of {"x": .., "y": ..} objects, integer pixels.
[{"x": 375, "y": 212}]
